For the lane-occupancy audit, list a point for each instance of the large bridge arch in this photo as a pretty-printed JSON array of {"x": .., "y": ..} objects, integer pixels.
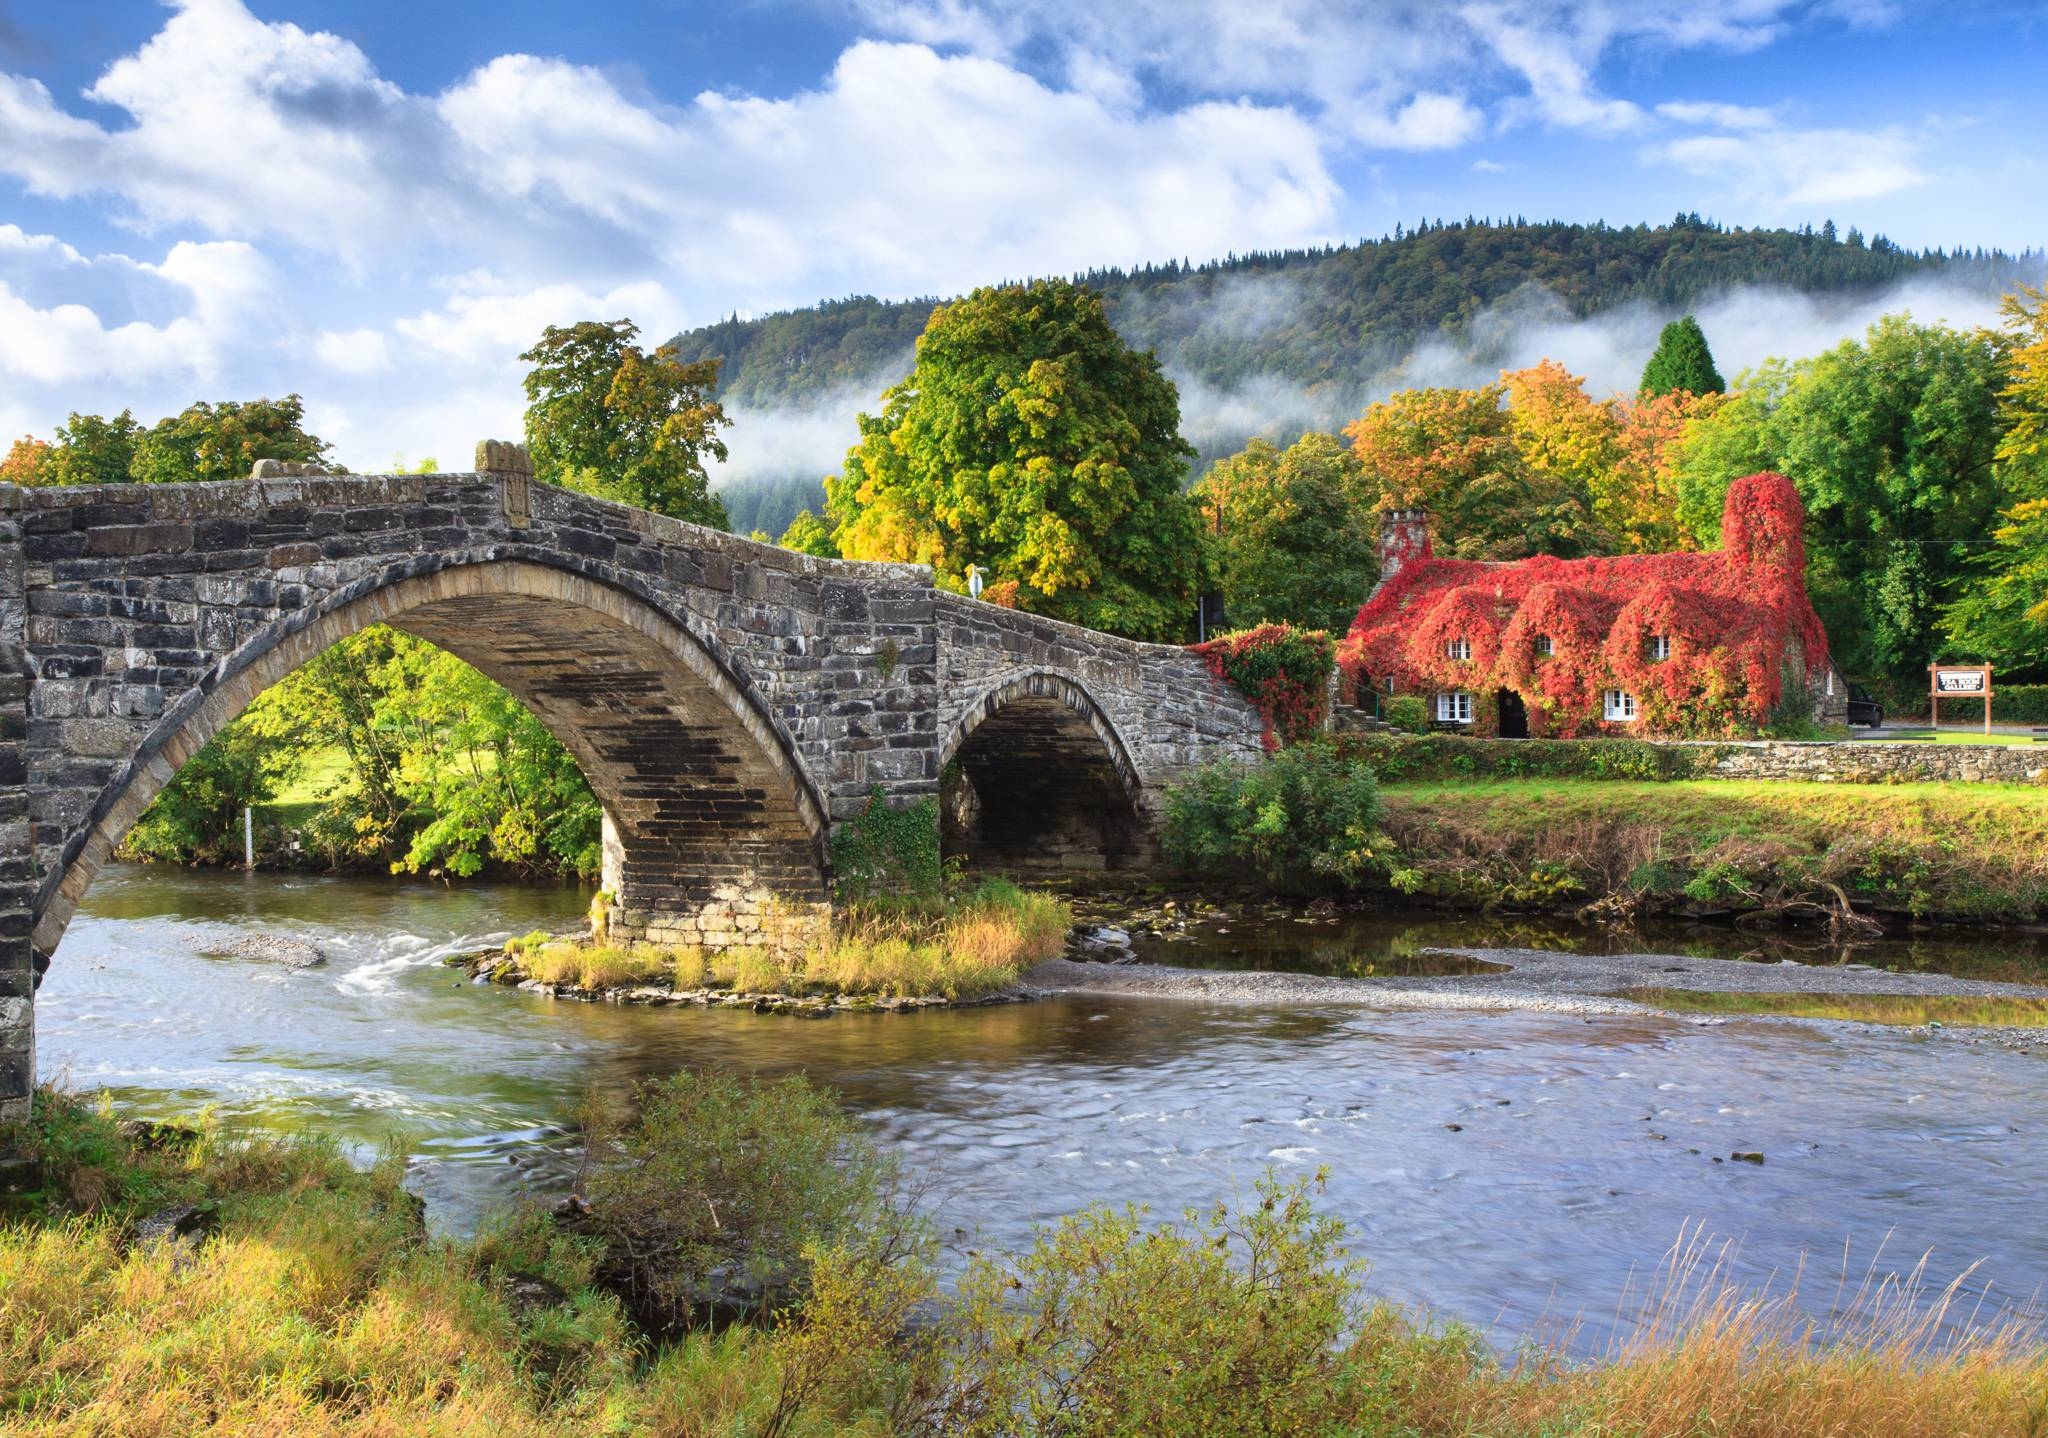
[
  {"x": 714, "y": 832},
  {"x": 1036, "y": 776}
]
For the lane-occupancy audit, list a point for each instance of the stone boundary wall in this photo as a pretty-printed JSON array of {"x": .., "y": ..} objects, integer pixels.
[{"x": 1876, "y": 762}]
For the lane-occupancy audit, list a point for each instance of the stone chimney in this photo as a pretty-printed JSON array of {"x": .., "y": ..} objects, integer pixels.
[{"x": 1404, "y": 540}]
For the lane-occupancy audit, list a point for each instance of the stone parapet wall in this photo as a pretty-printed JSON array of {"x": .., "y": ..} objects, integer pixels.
[{"x": 1870, "y": 762}]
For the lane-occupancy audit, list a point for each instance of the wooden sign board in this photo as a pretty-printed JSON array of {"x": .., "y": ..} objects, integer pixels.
[{"x": 1959, "y": 681}]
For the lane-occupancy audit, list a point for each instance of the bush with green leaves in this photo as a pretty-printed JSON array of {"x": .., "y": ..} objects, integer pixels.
[
  {"x": 198, "y": 815},
  {"x": 1307, "y": 818},
  {"x": 1407, "y": 712},
  {"x": 886, "y": 851},
  {"x": 1434, "y": 757},
  {"x": 714, "y": 1195}
]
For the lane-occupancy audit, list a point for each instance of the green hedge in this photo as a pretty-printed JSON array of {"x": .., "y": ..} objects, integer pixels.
[
  {"x": 2015, "y": 704},
  {"x": 1456, "y": 756}
]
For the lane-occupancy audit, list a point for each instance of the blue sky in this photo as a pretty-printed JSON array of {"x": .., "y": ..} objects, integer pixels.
[{"x": 378, "y": 205}]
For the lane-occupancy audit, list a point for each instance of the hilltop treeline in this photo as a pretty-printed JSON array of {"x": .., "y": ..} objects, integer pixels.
[{"x": 1343, "y": 314}]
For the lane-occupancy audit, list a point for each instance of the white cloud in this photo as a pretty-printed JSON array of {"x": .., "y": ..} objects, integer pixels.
[
  {"x": 358, "y": 351},
  {"x": 1386, "y": 73},
  {"x": 1720, "y": 116},
  {"x": 235, "y": 125},
  {"x": 1427, "y": 122},
  {"x": 486, "y": 321},
  {"x": 1791, "y": 170},
  {"x": 221, "y": 288}
]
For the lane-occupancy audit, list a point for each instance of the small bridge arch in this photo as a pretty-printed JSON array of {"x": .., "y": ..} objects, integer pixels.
[{"x": 1036, "y": 776}]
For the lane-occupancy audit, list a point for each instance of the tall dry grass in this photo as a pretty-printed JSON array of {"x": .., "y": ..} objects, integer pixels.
[
  {"x": 321, "y": 1307},
  {"x": 972, "y": 944}
]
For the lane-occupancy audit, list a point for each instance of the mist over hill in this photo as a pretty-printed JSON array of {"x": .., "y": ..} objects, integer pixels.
[{"x": 1277, "y": 343}]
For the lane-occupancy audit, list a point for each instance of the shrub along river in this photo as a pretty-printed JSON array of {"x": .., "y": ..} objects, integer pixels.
[{"x": 1523, "y": 1171}]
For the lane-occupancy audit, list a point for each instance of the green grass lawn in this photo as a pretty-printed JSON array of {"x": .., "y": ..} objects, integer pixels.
[
  {"x": 1961, "y": 1011},
  {"x": 1977, "y": 851},
  {"x": 2000, "y": 815},
  {"x": 319, "y": 772},
  {"x": 1955, "y": 736}
]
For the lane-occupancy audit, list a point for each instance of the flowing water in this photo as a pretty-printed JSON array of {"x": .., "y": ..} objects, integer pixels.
[{"x": 1522, "y": 1171}]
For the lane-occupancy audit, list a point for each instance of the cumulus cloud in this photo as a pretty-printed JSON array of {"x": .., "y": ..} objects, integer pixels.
[
  {"x": 204, "y": 292},
  {"x": 1384, "y": 73},
  {"x": 903, "y": 168},
  {"x": 1786, "y": 170}
]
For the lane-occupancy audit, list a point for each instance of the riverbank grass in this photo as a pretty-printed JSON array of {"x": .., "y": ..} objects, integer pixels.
[
  {"x": 1974, "y": 851},
  {"x": 1911, "y": 1010},
  {"x": 311, "y": 1300},
  {"x": 964, "y": 946}
]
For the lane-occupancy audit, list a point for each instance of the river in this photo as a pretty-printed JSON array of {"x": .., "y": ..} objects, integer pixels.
[{"x": 1521, "y": 1171}]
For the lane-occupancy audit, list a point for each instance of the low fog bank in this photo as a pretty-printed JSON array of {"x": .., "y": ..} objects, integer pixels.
[{"x": 1744, "y": 326}]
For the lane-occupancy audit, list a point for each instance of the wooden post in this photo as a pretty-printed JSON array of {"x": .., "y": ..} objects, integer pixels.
[{"x": 1979, "y": 687}]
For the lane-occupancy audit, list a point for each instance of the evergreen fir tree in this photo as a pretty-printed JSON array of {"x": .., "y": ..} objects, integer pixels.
[{"x": 1682, "y": 362}]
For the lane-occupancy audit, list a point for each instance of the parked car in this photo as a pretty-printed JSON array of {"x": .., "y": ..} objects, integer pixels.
[{"x": 1864, "y": 708}]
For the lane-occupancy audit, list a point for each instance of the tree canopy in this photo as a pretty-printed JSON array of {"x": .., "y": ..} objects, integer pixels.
[
  {"x": 808, "y": 534},
  {"x": 607, "y": 418},
  {"x": 1682, "y": 363},
  {"x": 1293, "y": 542},
  {"x": 1893, "y": 442},
  {"x": 1032, "y": 441},
  {"x": 204, "y": 441}
]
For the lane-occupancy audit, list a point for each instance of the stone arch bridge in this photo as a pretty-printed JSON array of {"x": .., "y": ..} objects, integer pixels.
[{"x": 730, "y": 702}]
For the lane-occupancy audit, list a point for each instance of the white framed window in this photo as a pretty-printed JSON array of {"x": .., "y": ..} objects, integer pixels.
[
  {"x": 1621, "y": 706},
  {"x": 1545, "y": 646},
  {"x": 1454, "y": 708},
  {"x": 1660, "y": 646},
  {"x": 1458, "y": 649}
]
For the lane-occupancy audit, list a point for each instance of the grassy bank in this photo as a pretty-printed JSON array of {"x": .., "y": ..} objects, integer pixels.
[
  {"x": 961, "y": 947},
  {"x": 1975, "y": 851},
  {"x": 1912, "y": 1010},
  {"x": 311, "y": 1301}
]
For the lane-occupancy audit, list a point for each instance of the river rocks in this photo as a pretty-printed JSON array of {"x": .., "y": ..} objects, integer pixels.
[
  {"x": 178, "y": 1222},
  {"x": 500, "y": 968},
  {"x": 279, "y": 949},
  {"x": 528, "y": 1292}
]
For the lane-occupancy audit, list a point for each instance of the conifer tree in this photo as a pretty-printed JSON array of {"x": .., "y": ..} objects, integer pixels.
[{"x": 1682, "y": 362}]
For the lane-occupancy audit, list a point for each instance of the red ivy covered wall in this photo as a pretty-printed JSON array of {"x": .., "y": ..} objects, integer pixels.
[{"x": 1738, "y": 621}]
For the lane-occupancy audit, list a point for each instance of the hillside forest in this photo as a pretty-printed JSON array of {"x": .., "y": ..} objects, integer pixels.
[{"x": 1035, "y": 446}]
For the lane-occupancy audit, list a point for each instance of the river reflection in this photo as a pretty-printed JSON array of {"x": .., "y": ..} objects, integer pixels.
[{"x": 1509, "y": 1169}]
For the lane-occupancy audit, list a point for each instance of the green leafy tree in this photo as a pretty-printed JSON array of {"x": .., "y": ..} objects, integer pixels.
[
  {"x": 1292, "y": 542},
  {"x": 224, "y": 441},
  {"x": 808, "y": 534},
  {"x": 1892, "y": 442},
  {"x": 198, "y": 815},
  {"x": 610, "y": 419},
  {"x": 2002, "y": 617},
  {"x": 1682, "y": 363},
  {"x": 94, "y": 450},
  {"x": 1031, "y": 440}
]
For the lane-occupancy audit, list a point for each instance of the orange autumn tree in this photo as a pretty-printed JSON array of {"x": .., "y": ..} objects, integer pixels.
[
  {"x": 27, "y": 462},
  {"x": 1453, "y": 452},
  {"x": 1529, "y": 465},
  {"x": 1636, "y": 502}
]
